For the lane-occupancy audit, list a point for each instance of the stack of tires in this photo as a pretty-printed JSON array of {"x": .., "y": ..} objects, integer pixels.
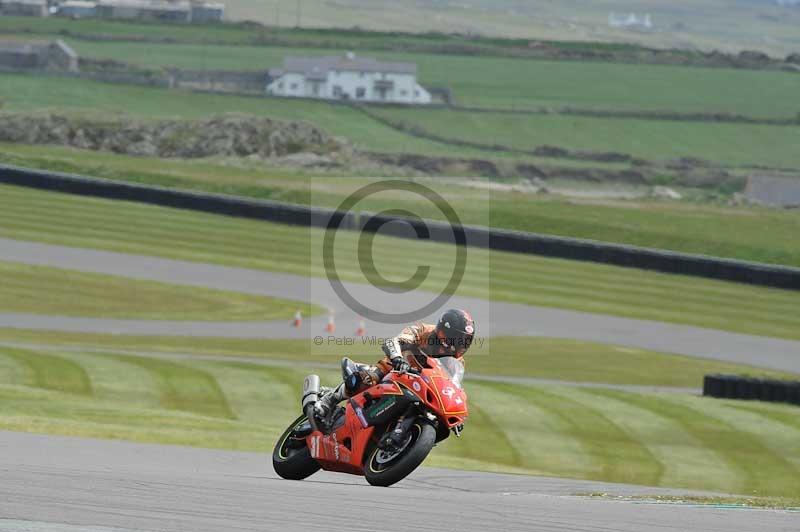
[{"x": 750, "y": 388}]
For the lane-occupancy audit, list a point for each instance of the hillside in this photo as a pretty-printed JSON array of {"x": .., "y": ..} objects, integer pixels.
[{"x": 705, "y": 24}]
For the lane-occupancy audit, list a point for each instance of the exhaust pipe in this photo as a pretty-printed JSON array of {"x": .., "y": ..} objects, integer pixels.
[{"x": 310, "y": 397}]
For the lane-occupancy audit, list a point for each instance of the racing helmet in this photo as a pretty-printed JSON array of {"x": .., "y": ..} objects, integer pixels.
[{"x": 453, "y": 334}]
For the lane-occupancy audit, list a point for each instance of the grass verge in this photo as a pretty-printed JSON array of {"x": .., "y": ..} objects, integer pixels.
[
  {"x": 672, "y": 441},
  {"x": 541, "y": 358},
  {"x": 767, "y": 503},
  {"x": 172, "y": 233},
  {"x": 55, "y": 291},
  {"x": 735, "y": 232}
]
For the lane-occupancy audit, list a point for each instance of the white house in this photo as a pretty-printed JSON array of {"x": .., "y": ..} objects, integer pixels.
[
  {"x": 631, "y": 20},
  {"x": 347, "y": 77}
]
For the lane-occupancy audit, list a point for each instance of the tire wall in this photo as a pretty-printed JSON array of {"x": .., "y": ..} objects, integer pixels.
[
  {"x": 497, "y": 239},
  {"x": 752, "y": 389}
]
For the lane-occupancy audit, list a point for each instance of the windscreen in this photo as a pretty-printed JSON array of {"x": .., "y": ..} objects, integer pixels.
[{"x": 454, "y": 367}]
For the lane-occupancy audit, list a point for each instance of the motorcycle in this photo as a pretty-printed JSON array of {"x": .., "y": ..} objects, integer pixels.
[{"x": 383, "y": 433}]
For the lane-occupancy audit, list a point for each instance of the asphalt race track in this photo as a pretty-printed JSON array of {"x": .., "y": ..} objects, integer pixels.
[
  {"x": 58, "y": 484},
  {"x": 493, "y": 318}
]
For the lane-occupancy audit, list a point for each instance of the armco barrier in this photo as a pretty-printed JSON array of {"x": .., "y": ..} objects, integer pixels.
[
  {"x": 748, "y": 388},
  {"x": 498, "y": 239}
]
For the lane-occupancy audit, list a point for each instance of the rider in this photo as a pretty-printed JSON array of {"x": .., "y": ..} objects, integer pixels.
[{"x": 451, "y": 336}]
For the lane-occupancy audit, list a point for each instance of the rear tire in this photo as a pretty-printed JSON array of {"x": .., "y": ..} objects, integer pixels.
[
  {"x": 384, "y": 470},
  {"x": 291, "y": 458}
]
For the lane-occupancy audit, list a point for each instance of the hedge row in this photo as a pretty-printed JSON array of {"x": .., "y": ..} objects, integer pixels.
[{"x": 749, "y": 388}]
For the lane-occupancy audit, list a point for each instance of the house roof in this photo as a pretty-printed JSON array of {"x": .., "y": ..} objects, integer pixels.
[
  {"x": 318, "y": 67},
  {"x": 774, "y": 190}
]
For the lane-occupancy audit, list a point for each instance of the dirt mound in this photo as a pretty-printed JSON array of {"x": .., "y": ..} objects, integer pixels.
[{"x": 227, "y": 135}]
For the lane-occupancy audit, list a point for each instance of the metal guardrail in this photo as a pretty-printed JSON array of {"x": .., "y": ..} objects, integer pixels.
[{"x": 497, "y": 239}]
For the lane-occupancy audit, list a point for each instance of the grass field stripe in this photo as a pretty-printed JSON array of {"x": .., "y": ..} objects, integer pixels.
[
  {"x": 51, "y": 372},
  {"x": 536, "y": 435},
  {"x": 253, "y": 392},
  {"x": 55, "y": 291},
  {"x": 116, "y": 381},
  {"x": 614, "y": 451},
  {"x": 757, "y": 466},
  {"x": 494, "y": 446},
  {"x": 608, "y": 291},
  {"x": 782, "y": 439},
  {"x": 686, "y": 463},
  {"x": 185, "y": 388},
  {"x": 788, "y": 415}
]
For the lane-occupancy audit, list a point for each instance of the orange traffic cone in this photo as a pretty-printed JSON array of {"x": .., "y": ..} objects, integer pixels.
[
  {"x": 331, "y": 327},
  {"x": 298, "y": 319},
  {"x": 362, "y": 328}
]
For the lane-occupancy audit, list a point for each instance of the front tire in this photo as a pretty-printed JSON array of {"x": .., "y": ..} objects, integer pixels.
[
  {"x": 384, "y": 469},
  {"x": 291, "y": 458}
]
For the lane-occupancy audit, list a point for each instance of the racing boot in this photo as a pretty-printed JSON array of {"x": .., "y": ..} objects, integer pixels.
[{"x": 327, "y": 403}]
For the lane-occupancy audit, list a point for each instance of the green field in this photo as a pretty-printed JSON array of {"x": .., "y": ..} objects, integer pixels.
[
  {"x": 706, "y": 25},
  {"x": 55, "y": 291},
  {"x": 652, "y": 140},
  {"x": 736, "y": 232},
  {"x": 506, "y": 83},
  {"x": 27, "y": 93},
  {"x": 734, "y": 145},
  {"x": 651, "y": 439},
  {"x": 149, "y": 230},
  {"x": 534, "y": 357}
]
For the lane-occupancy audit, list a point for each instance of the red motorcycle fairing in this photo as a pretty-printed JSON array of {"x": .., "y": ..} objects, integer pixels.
[{"x": 345, "y": 448}]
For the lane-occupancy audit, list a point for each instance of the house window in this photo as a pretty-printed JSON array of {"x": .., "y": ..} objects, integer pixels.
[
  {"x": 361, "y": 92},
  {"x": 280, "y": 86},
  {"x": 403, "y": 92},
  {"x": 416, "y": 94},
  {"x": 337, "y": 91},
  {"x": 361, "y": 74},
  {"x": 293, "y": 86}
]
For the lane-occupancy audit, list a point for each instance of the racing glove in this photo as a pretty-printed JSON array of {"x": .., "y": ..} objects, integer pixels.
[
  {"x": 400, "y": 364},
  {"x": 394, "y": 352}
]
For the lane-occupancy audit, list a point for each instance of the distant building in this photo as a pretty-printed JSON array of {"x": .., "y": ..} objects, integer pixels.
[
  {"x": 630, "y": 20},
  {"x": 207, "y": 12},
  {"x": 77, "y": 9},
  {"x": 777, "y": 191},
  {"x": 144, "y": 10},
  {"x": 38, "y": 56},
  {"x": 24, "y": 8},
  {"x": 152, "y": 10},
  {"x": 347, "y": 77}
]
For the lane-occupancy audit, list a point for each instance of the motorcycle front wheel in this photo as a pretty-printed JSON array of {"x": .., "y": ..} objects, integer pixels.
[
  {"x": 384, "y": 468},
  {"x": 291, "y": 457}
]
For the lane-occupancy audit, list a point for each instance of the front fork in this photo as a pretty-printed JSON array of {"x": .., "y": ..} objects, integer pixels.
[{"x": 395, "y": 438}]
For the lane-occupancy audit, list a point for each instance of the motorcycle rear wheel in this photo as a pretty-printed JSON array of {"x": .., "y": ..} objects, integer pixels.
[
  {"x": 291, "y": 458},
  {"x": 385, "y": 469}
]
